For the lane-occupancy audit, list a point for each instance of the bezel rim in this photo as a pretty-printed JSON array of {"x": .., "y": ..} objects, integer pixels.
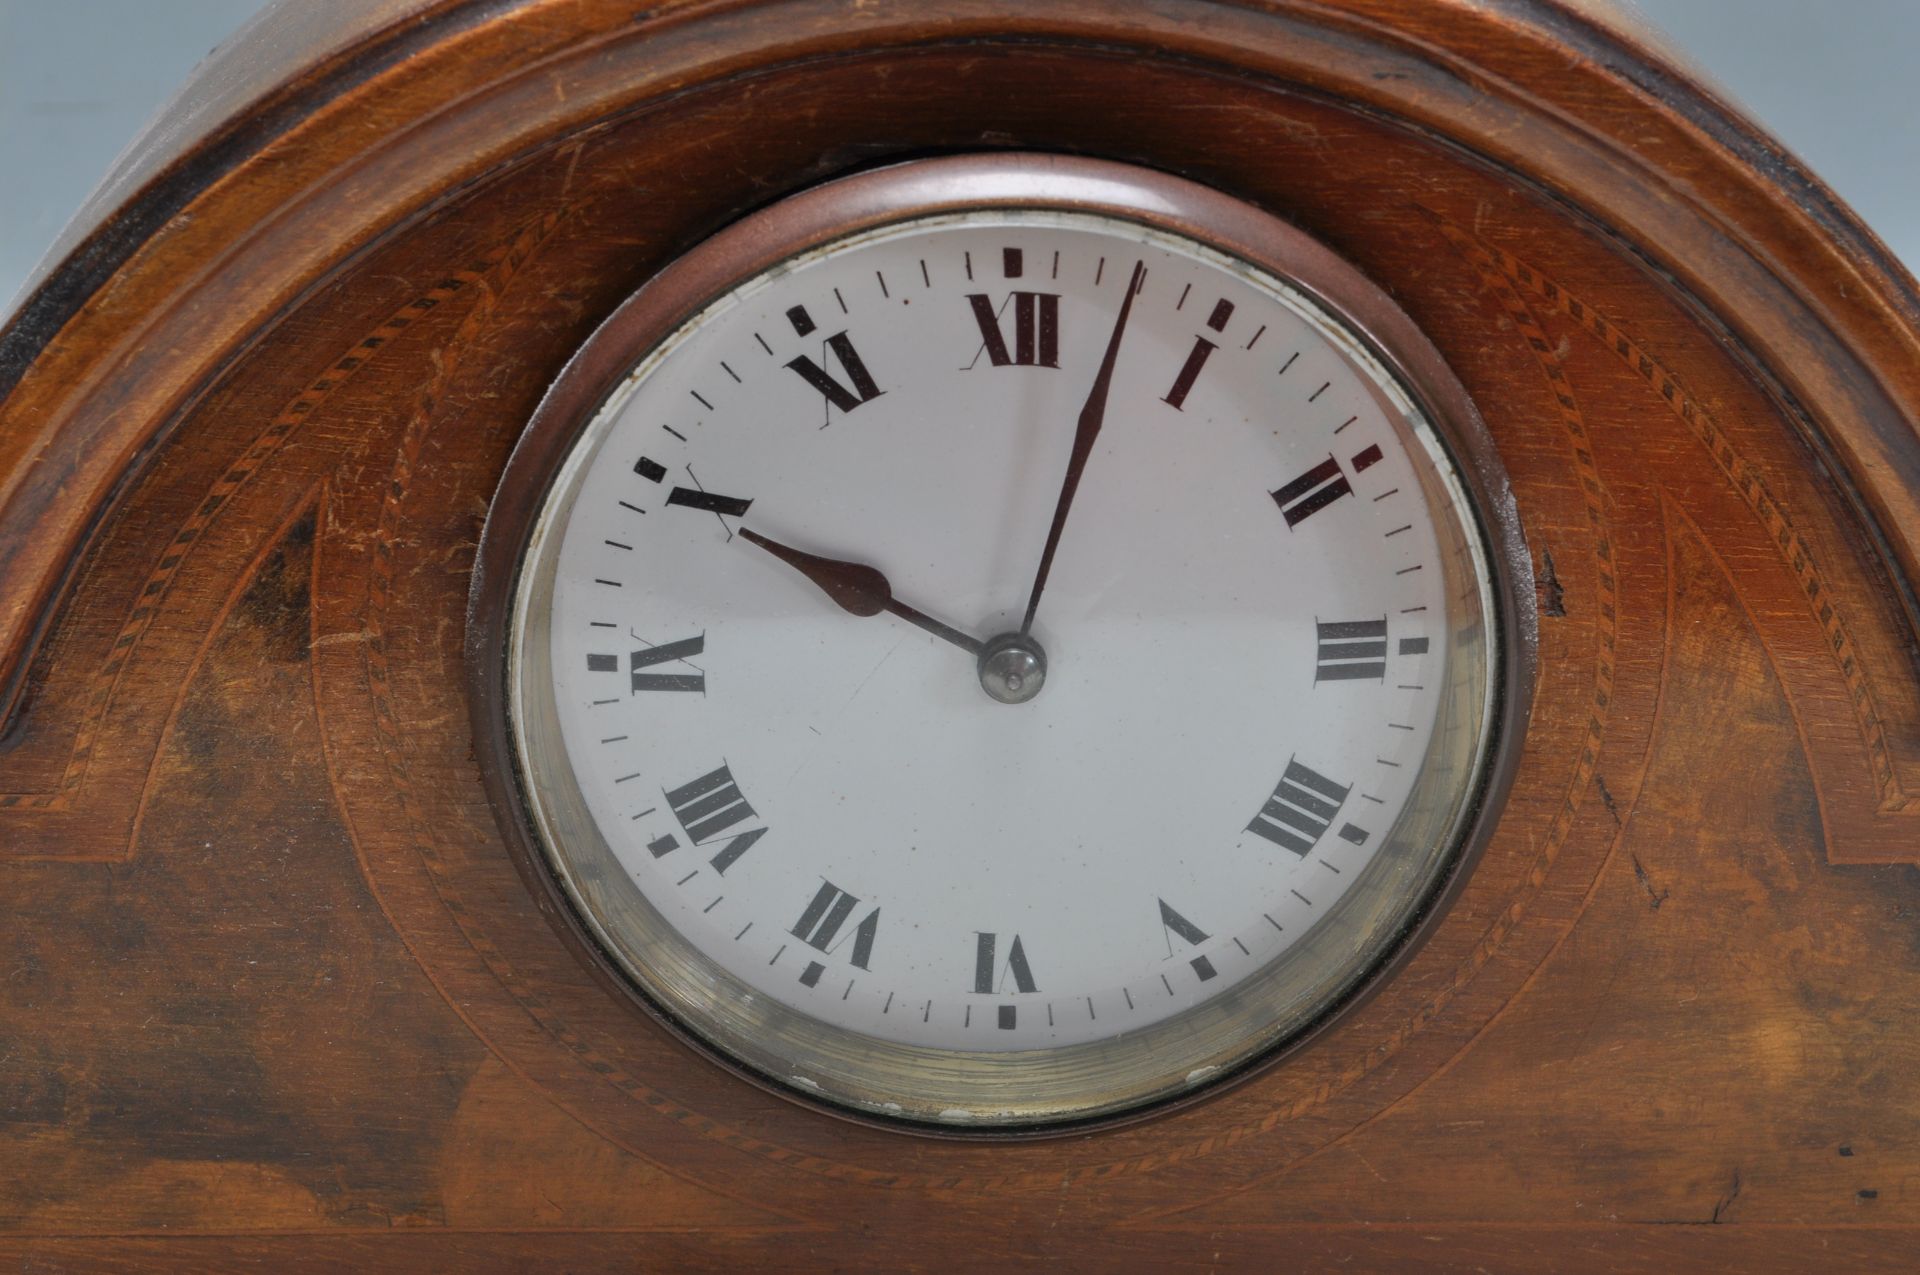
[{"x": 560, "y": 434}]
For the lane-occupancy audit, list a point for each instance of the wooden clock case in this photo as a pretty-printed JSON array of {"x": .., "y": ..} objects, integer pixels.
[{"x": 274, "y": 990}]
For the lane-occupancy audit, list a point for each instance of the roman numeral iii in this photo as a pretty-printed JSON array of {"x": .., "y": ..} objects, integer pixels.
[
  {"x": 1036, "y": 329},
  {"x": 1350, "y": 650}
]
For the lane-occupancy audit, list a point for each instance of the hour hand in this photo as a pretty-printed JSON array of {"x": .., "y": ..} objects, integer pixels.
[{"x": 857, "y": 588}]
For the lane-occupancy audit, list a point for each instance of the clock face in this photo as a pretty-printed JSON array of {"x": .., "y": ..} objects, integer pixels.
[{"x": 999, "y": 659}]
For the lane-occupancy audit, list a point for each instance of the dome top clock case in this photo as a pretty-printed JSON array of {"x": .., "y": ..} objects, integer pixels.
[
  {"x": 1001, "y": 641},
  {"x": 600, "y": 656}
]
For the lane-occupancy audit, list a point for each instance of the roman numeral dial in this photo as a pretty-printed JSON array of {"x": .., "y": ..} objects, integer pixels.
[{"x": 1002, "y": 632}]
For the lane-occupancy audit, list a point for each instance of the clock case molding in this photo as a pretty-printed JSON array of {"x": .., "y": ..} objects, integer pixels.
[{"x": 278, "y": 990}]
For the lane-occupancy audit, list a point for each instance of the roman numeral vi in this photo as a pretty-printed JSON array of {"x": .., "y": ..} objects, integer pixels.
[{"x": 987, "y": 976}]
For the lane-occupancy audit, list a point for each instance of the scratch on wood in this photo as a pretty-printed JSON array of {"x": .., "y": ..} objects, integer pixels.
[
  {"x": 1553, "y": 598},
  {"x": 1720, "y": 1209},
  {"x": 1655, "y": 896},
  {"x": 1606, "y": 799}
]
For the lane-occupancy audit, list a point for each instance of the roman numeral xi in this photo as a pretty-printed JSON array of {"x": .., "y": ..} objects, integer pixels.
[{"x": 860, "y": 387}]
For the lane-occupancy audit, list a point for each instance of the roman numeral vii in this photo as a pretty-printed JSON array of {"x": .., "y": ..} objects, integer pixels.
[{"x": 820, "y": 924}]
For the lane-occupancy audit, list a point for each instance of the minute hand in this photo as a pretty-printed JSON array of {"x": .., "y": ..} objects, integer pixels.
[{"x": 1092, "y": 414}]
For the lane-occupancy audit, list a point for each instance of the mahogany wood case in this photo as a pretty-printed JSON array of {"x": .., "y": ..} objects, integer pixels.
[{"x": 275, "y": 990}]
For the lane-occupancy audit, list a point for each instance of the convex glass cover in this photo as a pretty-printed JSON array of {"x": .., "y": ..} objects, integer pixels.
[{"x": 1006, "y": 640}]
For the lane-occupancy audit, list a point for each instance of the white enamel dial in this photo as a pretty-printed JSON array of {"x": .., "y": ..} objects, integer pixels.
[{"x": 990, "y": 821}]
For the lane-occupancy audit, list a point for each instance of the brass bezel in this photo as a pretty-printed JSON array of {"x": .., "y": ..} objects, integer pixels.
[{"x": 1447, "y": 817}]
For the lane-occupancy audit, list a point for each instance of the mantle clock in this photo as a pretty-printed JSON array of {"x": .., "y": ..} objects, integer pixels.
[{"x": 808, "y": 633}]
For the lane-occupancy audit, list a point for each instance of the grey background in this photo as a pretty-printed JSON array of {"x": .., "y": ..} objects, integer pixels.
[{"x": 1834, "y": 80}]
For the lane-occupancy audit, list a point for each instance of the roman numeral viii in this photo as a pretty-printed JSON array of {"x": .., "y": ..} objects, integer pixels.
[
  {"x": 1301, "y": 810},
  {"x": 820, "y": 925},
  {"x": 1036, "y": 330},
  {"x": 706, "y": 808}
]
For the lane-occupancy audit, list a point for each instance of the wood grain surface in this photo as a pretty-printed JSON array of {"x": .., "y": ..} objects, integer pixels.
[{"x": 272, "y": 992}]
